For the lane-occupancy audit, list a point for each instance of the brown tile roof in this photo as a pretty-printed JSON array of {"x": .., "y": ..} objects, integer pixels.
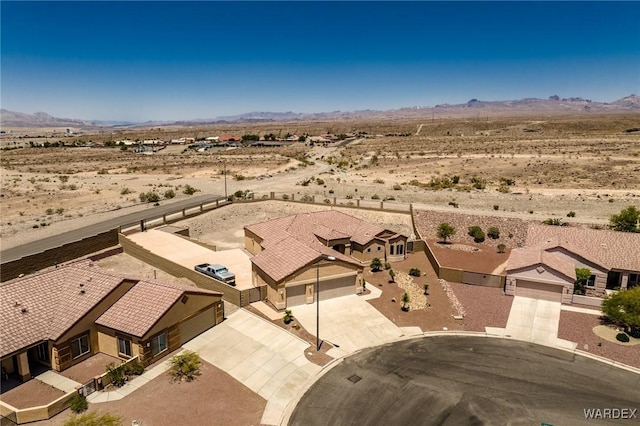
[
  {"x": 532, "y": 256},
  {"x": 611, "y": 249},
  {"x": 143, "y": 306},
  {"x": 52, "y": 301},
  {"x": 291, "y": 242},
  {"x": 288, "y": 255}
]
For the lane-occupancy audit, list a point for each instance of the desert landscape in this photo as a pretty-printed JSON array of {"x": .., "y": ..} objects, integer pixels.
[{"x": 514, "y": 167}]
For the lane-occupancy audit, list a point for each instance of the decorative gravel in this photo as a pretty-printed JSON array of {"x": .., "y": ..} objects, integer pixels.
[
  {"x": 452, "y": 298},
  {"x": 578, "y": 327},
  {"x": 484, "y": 306},
  {"x": 416, "y": 293}
]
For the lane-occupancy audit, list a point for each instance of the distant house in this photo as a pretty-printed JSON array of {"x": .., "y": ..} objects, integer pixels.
[
  {"x": 290, "y": 254},
  {"x": 59, "y": 318},
  {"x": 230, "y": 138},
  {"x": 552, "y": 254}
]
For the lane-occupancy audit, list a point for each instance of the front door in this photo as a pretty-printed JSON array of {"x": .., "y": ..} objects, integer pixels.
[{"x": 309, "y": 293}]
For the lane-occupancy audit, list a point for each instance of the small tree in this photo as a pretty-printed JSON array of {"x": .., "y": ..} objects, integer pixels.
[
  {"x": 414, "y": 272},
  {"x": 623, "y": 307},
  {"x": 477, "y": 233},
  {"x": 78, "y": 403},
  {"x": 376, "y": 264},
  {"x": 445, "y": 231},
  {"x": 582, "y": 276},
  {"x": 184, "y": 366},
  {"x": 288, "y": 316},
  {"x": 493, "y": 233},
  {"x": 501, "y": 248},
  {"x": 426, "y": 289},
  {"x": 626, "y": 221},
  {"x": 405, "y": 301},
  {"x": 392, "y": 275}
]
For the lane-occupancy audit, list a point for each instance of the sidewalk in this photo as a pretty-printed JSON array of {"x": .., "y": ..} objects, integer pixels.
[{"x": 58, "y": 381}]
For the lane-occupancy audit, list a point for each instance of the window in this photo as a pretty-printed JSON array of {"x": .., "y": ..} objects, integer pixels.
[
  {"x": 369, "y": 250},
  {"x": 391, "y": 247},
  {"x": 379, "y": 248},
  {"x": 400, "y": 248},
  {"x": 591, "y": 282},
  {"x": 634, "y": 280},
  {"x": 124, "y": 346},
  {"x": 159, "y": 344},
  {"x": 80, "y": 346}
]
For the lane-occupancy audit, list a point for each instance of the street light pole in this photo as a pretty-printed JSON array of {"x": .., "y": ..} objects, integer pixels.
[
  {"x": 224, "y": 164},
  {"x": 324, "y": 257}
]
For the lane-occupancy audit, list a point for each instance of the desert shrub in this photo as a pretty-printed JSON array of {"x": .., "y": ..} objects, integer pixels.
[
  {"x": 454, "y": 204},
  {"x": 392, "y": 275},
  {"x": 117, "y": 374},
  {"x": 103, "y": 172},
  {"x": 94, "y": 419},
  {"x": 285, "y": 197},
  {"x": 170, "y": 193},
  {"x": 455, "y": 179},
  {"x": 184, "y": 366},
  {"x": 288, "y": 316},
  {"x": 445, "y": 231},
  {"x": 622, "y": 337},
  {"x": 125, "y": 191},
  {"x": 326, "y": 201},
  {"x": 375, "y": 197},
  {"x": 134, "y": 368},
  {"x": 59, "y": 210},
  {"x": 405, "y": 301},
  {"x": 493, "y": 233},
  {"x": 397, "y": 187},
  {"x": 63, "y": 178},
  {"x": 626, "y": 221},
  {"x": 414, "y": 272},
  {"x": 376, "y": 264},
  {"x": 239, "y": 177},
  {"x": 380, "y": 181},
  {"x": 496, "y": 207},
  {"x": 571, "y": 214},
  {"x": 78, "y": 403},
  {"x": 306, "y": 198},
  {"x": 149, "y": 197},
  {"x": 507, "y": 181},
  {"x": 49, "y": 212},
  {"x": 189, "y": 190},
  {"x": 501, "y": 248},
  {"x": 477, "y": 233},
  {"x": 553, "y": 222},
  {"x": 503, "y": 189},
  {"x": 478, "y": 183},
  {"x": 320, "y": 181},
  {"x": 387, "y": 265}
]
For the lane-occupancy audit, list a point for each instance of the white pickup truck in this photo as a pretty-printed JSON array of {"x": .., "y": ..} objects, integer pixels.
[{"x": 218, "y": 272}]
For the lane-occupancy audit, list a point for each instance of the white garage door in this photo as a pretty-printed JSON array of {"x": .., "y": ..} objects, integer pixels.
[
  {"x": 537, "y": 290},
  {"x": 196, "y": 325},
  {"x": 295, "y": 295},
  {"x": 337, "y": 287}
]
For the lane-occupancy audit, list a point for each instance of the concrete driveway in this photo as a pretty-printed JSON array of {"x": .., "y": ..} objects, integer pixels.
[
  {"x": 534, "y": 320},
  {"x": 348, "y": 322},
  {"x": 265, "y": 358},
  {"x": 188, "y": 254}
]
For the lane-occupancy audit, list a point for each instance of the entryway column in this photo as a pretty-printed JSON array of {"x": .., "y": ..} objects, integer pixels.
[{"x": 23, "y": 366}]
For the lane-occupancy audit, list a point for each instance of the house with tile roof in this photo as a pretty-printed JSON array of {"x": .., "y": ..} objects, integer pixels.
[
  {"x": 613, "y": 258},
  {"x": 290, "y": 255},
  {"x": 56, "y": 319}
]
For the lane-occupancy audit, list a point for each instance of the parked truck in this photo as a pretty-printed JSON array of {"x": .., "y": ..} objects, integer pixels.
[{"x": 218, "y": 272}]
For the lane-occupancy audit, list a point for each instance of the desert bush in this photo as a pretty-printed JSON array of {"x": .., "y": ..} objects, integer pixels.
[
  {"x": 149, "y": 197},
  {"x": 49, "y": 212},
  {"x": 507, "y": 181},
  {"x": 94, "y": 419},
  {"x": 397, "y": 187},
  {"x": 626, "y": 221},
  {"x": 496, "y": 207},
  {"x": 501, "y": 248},
  {"x": 454, "y": 204},
  {"x": 622, "y": 337},
  {"x": 170, "y": 193},
  {"x": 125, "y": 191},
  {"x": 455, "y": 179},
  {"x": 493, "y": 233},
  {"x": 392, "y": 275},
  {"x": 376, "y": 264},
  {"x": 78, "y": 403},
  {"x": 326, "y": 201},
  {"x": 320, "y": 181},
  {"x": 63, "y": 178},
  {"x": 477, "y": 233},
  {"x": 445, "y": 231},
  {"x": 184, "y": 366},
  {"x": 288, "y": 316},
  {"x": 285, "y": 197},
  {"x": 306, "y": 198},
  {"x": 375, "y": 197},
  {"x": 387, "y": 265},
  {"x": 503, "y": 189},
  {"x": 414, "y": 272},
  {"x": 478, "y": 183},
  {"x": 117, "y": 374},
  {"x": 405, "y": 301},
  {"x": 380, "y": 181},
  {"x": 571, "y": 214},
  {"x": 134, "y": 368},
  {"x": 553, "y": 222},
  {"x": 189, "y": 190}
]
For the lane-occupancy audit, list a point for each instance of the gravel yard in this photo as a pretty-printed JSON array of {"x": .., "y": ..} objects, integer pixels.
[
  {"x": 31, "y": 394},
  {"x": 484, "y": 306},
  {"x": 578, "y": 327}
]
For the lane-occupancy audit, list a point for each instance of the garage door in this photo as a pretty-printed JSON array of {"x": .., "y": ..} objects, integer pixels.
[
  {"x": 295, "y": 295},
  {"x": 536, "y": 290},
  {"x": 337, "y": 287},
  {"x": 196, "y": 325}
]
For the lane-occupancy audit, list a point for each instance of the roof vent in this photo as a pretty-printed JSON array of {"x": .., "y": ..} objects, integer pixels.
[
  {"x": 81, "y": 284},
  {"x": 24, "y": 310},
  {"x": 604, "y": 246},
  {"x": 82, "y": 291}
]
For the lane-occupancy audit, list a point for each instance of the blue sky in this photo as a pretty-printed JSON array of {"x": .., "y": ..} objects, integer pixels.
[{"x": 170, "y": 60}]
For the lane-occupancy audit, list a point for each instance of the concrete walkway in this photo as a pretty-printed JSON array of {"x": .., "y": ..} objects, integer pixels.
[
  {"x": 349, "y": 323},
  {"x": 58, "y": 381},
  {"x": 594, "y": 311},
  {"x": 533, "y": 320},
  {"x": 262, "y": 356}
]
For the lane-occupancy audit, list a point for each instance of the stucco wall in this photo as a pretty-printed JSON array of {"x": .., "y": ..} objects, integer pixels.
[{"x": 181, "y": 311}]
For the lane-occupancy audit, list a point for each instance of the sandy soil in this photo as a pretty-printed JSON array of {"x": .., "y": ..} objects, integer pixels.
[{"x": 587, "y": 165}]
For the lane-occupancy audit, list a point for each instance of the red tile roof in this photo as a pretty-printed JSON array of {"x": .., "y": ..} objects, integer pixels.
[
  {"x": 533, "y": 256},
  {"x": 141, "y": 308},
  {"x": 291, "y": 242},
  {"x": 44, "y": 306},
  {"x": 611, "y": 249},
  {"x": 53, "y": 302}
]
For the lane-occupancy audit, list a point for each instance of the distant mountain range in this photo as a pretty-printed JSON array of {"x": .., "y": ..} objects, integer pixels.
[{"x": 554, "y": 105}]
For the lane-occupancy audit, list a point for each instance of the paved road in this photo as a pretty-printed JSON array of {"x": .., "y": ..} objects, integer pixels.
[
  {"x": 467, "y": 381},
  {"x": 38, "y": 246}
]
